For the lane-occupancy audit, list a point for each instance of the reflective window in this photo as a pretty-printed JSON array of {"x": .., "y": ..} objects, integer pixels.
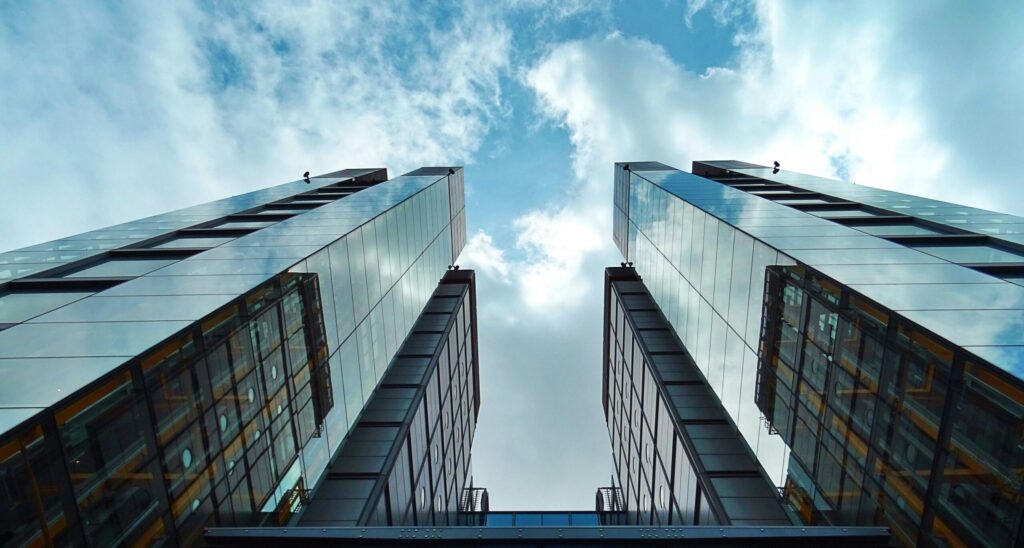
[
  {"x": 897, "y": 230},
  {"x": 192, "y": 241},
  {"x": 111, "y": 467},
  {"x": 137, "y": 308},
  {"x": 190, "y": 267},
  {"x": 829, "y": 242},
  {"x": 21, "y": 384},
  {"x": 120, "y": 267},
  {"x": 904, "y": 274},
  {"x": 245, "y": 224},
  {"x": 188, "y": 285},
  {"x": 84, "y": 339},
  {"x": 972, "y": 253},
  {"x": 856, "y": 256},
  {"x": 842, "y": 213},
  {"x": 21, "y": 306},
  {"x": 986, "y": 448},
  {"x": 260, "y": 252}
]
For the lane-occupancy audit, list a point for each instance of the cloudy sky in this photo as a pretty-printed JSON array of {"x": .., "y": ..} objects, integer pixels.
[{"x": 114, "y": 111}]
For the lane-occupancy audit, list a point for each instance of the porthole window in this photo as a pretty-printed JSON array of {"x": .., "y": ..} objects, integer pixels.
[
  {"x": 273, "y": 372},
  {"x": 257, "y": 435},
  {"x": 251, "y": 395},
  {"x": 661, "y": 496},
  {"x": 423, "y": 497},
  {"x": 231, "y": 466},
  {"x": 279, "y": 409},
  {"x": 223, "y": 423},
  {"x": 195, "y": 505},
  {"x": 186, "y": 458}
]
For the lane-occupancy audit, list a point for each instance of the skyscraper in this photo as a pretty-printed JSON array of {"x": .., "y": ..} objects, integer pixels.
[
  {"x": 202, "y": 367},
  {"x": 865, "y": 343},
  {"x": 300, "y": 365}
]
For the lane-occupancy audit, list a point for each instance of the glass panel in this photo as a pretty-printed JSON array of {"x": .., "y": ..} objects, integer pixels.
[
  {"x": 260, "y": 252},
  {"x": 191, "y": 267},
  {"x": 945, "y": 296},
  {"x": 84, "y": 339},
  {"x": 137, "y": 308},
  {"x": 188, "y": 285},
  {"x": 905, "y": 274},
  {"x": 897, "y": 230},
  {"x": 979, "y": 489},
  {"x": 29, "y": 475},
  {"x": 342, "y": 293},
  {"x": 186, "y": 241},
  {"x": 245, "y": 224},
  {"x": 21, "y": 306},
  {"x": 972, "y": 254},
  {"x": 856, "y": 256},
  {"x": 842, "y": 213},
  {"x": 113, "y": 475},
  {"x": 21, "y": 386},
  {"x": 120, "y": 267},
  {"x": 829, "y": 242}
]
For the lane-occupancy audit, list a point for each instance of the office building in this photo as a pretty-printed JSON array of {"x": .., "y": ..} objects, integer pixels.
[
  {"x": 203, "y": 367},
  {"x": 406, "y": 460},
  {"x": 680, "y": 459},
  {"x": 867, "y": 344}
]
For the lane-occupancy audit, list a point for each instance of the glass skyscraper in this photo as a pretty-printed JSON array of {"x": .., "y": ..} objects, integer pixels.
[
  {"x": 867, "y": 344},
  {"x": 202, "y": 367}
]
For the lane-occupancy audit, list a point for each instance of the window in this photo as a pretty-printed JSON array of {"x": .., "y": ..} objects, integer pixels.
[
  {"x": 971, "y": 253},
  {"x": 24, "y": 305},
  {"x": 192, "y": 241},
  {"x": 119, "y": 267}
]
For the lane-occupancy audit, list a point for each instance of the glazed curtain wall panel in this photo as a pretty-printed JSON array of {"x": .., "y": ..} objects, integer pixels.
[{"x": 708, "y": 279}]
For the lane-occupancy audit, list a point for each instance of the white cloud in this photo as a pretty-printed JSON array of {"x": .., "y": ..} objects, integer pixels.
[
  {"x": 858, "y": 92},
  {"x": 481, "y": 254},
  {"x": 139, "y": 108},
  {"x": 555, "y": 244}
]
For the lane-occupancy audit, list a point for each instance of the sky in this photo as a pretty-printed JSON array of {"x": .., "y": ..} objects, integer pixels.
[{"x": 115, "y": 111}]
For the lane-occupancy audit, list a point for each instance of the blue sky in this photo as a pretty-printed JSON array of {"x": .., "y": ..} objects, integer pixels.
[{"x": 112, "y": 112}]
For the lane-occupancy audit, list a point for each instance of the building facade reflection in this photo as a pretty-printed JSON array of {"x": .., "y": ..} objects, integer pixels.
[
  {"x": 200, "y": 367},
  {"x": 853, "y": 335}
]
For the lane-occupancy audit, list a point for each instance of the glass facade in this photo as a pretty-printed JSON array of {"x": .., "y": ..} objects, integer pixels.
[
  {"x": 145, "y": 404},
  {"x": 889, "y": 324},
  {"x": 680, "y": 459},
  {"x": 889, "y": 424},
  {"x": 407, "y": 459}
]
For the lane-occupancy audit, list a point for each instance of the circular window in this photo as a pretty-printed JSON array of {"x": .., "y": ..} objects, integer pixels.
[
  {"x": 223, "y": 423},
  {"x": 423, "y": 497},
  {"x": 231, "y": 466},
  {"x": 661, "y": 495},
  {"x": 279, "y": 409},
  {"x": 251, "y": 395},
  {"x": 644, "y": 507},
  {"x": 435, "y": 454},
  {"x": 186, "y": 458},
  {"x": 257, "y": 435},
  {"x": 273, "y": 372},
  {"x": 195, "y": 505},
  {"x": 438, "y": 507}
]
